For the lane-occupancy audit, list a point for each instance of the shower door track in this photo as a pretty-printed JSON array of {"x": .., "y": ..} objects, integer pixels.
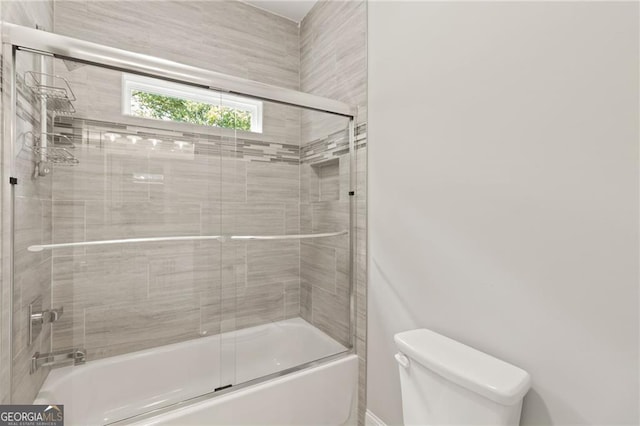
[
  {"x": 64, "y": 47},
  {"x": 230, "y": 389}
]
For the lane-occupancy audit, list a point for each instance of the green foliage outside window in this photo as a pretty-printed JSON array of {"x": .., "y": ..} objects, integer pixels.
[{"x": 150, "y": 105}]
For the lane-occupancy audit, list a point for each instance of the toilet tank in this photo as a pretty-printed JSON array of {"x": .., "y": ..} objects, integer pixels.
[{"x": 445, "y": 382}]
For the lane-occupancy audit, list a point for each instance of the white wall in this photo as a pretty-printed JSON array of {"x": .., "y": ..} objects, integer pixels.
[{"x": 504, "y": 195}]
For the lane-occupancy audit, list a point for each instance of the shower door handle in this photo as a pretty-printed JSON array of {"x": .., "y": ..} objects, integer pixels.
[{"x": 43, "y": 317}]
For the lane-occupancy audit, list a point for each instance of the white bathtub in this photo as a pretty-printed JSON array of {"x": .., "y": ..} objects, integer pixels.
[{"x": 116, "y": 388}]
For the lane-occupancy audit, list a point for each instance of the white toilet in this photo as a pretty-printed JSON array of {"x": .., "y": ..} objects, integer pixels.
[{"x": 447, "y": 383}]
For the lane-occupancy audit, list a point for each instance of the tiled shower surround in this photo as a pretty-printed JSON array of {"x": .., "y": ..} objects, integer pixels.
[
  {"x": 181, "y": 291},
  {"x": 333, "y": 64},
  {"x": 123, "y": 298}
]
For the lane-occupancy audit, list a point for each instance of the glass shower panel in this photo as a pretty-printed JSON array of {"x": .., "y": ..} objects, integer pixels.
[
  {"x": 177, "y": 239},
  {"x": 286, "y": 275},
  {"x": 32, "y": 204},
  {"x": 117, "y": 232},
  {"x": 326, "y": 162}
]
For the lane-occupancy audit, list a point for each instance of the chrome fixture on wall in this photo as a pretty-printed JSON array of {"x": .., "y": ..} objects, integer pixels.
[
  {"x": 53, "y": 89},
  {"x": 56, "y": 97},
  {"x": 38, "y": 317},
  {"x": 46, "y": 152},
  {"x": 75, "y": 356}
]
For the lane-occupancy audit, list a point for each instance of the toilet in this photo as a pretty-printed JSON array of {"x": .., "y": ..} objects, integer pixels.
[{"x": 445, "y": 382}]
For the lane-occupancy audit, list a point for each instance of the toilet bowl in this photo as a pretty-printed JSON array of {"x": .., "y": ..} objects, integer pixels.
[{"x": 445, "y": 382}]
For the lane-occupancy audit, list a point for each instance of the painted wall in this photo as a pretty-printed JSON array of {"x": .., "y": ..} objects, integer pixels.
[{"x": 504, "y": 196}]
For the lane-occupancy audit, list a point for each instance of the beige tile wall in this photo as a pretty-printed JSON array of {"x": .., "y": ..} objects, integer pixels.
[
  {"x": 226, "y": 36},
  {"x": 333, "y": 64},
  {"x": 237, "y": 285},
  {"x": 32, "y": 273},
  {"x": 170, "y": 292},
  {"x": 325, "y": 262}
]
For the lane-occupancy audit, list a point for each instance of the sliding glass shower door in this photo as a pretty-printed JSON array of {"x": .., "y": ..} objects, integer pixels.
[
  {"x": 286, "y": 274},
  {"x": 117, "y": 232},
  {"x": 170, "y": 241}
]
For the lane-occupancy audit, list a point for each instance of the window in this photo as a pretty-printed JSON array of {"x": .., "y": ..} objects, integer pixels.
[{"x": 162, "y": 100}]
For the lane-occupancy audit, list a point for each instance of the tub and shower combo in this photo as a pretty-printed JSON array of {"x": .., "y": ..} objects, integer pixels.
[{"x": 178, "y": 244}]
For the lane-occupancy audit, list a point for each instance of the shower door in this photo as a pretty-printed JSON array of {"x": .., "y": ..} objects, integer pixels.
[
  {"x": 286, "y": 288},
  {"x": 170, "y": 241},
  {"x": 117, "y": 240}
]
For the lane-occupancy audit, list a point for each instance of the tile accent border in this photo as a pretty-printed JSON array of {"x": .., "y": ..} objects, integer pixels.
[
  {"x": 81, "y": 130},
  {"x": 334, "y": 145}
]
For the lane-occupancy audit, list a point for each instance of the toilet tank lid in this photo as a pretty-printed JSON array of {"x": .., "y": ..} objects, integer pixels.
[{"x": 468, "y": 367}]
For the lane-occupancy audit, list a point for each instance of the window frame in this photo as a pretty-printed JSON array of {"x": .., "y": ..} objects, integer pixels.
[{"x": 134, "y": 82}]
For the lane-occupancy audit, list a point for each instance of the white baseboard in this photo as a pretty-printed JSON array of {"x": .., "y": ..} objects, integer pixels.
[{"x": 371, "y": 419}]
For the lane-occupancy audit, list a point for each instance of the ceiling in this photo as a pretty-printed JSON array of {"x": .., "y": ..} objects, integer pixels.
[{"x": 294, "y": 10}]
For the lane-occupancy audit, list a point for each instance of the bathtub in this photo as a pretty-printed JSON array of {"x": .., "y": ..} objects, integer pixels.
[{"x": 119, "y": 389}]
